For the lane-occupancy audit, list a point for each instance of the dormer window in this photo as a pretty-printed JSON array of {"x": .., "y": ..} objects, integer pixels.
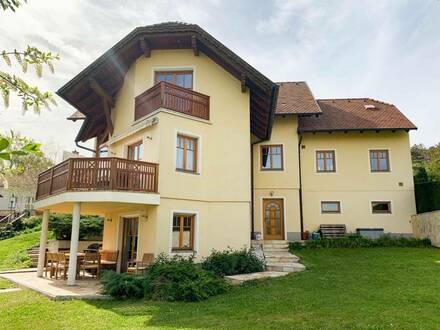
[{"x": 180, "y": 78}]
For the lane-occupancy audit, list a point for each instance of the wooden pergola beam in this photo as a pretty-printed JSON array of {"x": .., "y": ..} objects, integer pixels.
[
  {"x": 108, "y": 117},
  {"x": 97, "y": 88},
  {"x": 194, "y": 45},
  {"x": 145, "y": 46}
]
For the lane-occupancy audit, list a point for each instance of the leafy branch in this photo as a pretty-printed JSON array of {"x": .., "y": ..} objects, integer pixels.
[
  {"x": 31, "y": 96},
  {"x": 10, "y": 4}
]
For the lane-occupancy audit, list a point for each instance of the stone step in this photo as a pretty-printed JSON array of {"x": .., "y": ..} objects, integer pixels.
[
  {"x": 285, "y": 267},
  {"x": 276, "y": 250},
  {"x": 287, "y": 258}
]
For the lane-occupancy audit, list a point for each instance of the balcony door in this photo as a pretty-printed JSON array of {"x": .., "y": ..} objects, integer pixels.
[
  {"x": 129, "y": 241},
  {"x": 273, "y": 219},
  {"x": 180, "y": 78}
]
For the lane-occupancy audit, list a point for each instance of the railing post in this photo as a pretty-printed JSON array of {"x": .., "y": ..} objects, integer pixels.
[
  {"x": 51, "y": 180},
  {"x": 113, "y": 174},
  {"x": 69, "y": 175},
  {"x": 162, "y": 93},
  {"x": 156, "y": 177}
]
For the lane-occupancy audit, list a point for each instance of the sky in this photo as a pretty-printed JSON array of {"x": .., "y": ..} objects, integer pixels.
[{"x": 386, "y": 50}]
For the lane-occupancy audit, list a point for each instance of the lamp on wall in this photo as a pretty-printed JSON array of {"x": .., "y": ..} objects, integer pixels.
[{"x": 271, "y": 193}]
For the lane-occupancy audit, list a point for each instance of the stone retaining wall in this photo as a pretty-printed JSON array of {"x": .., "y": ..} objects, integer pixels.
[{"x": 427, "y": 225}]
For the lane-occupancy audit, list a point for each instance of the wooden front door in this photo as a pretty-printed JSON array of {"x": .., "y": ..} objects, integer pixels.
[
  {"x": 129, "y": 241},
  {"x": 273, "y": 219}
]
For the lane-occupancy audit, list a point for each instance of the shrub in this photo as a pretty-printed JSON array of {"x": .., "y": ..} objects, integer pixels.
[
  {"x": 233, "y": 262},
  {"x": 356, "y": 241},
  {"x": 61, "y": 224},
  {"x": 122, "y": 286},
  {"x": 180, "y": 279},
  {"x": 168, "y": 278}
]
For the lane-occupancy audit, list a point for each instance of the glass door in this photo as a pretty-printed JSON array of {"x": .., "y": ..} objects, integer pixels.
[{"x": 129, "y": 241}]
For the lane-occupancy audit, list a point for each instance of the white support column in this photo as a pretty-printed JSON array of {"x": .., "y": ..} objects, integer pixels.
[
  {"x": 71, "y": 275},
  {"x": 43, "y": 243}
]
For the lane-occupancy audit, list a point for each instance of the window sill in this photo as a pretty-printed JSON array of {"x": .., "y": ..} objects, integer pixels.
[
  {"x": 271, "y": 169},
  {"x": 186, "y": 171}
]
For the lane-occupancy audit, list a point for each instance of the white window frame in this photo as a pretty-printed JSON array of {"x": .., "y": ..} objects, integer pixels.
[
  {"x": 335, "y": 164},
  {"x": 330, "y": 201},
  {"x": 389, "y": 160},
  {"x": 199, "y": 153},
  {"x": 384, "y": 200},
  {"x": 193, "y": 68},
  {"x": 195, "y": 250},
  {"x": 283, "y": 157}
]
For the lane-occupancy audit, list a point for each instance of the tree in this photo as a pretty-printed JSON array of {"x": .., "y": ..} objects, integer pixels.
[
  {"x": 31, "y": 96},
  {"x": 23, "y": 168},
  {"x": 426, "y": 163}
]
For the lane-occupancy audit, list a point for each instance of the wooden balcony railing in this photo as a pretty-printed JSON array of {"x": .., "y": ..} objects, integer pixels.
[
  {"x": 98, "y": 174},
  {"x": 172, "y": 97}
]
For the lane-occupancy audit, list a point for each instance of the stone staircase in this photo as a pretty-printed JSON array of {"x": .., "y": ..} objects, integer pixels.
[
  {"x": 277, "y": 256},
  {"x": 33, "y": 255}
]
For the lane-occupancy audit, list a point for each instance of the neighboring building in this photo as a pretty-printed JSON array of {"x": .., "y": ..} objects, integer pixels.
[
  {"x": 14, "y": 202},
  {"x": 204, "y": 151}
]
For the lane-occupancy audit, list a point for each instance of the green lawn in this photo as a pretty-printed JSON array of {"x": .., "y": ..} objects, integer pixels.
[
  {"x": 13, "y": 250},
  {"x": 342, "y": 288}
]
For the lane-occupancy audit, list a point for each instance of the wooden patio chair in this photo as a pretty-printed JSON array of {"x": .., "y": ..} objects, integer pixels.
[
  {"x": 139, "y": 266},
  {"x": 109, "y": 259},
  {"x": 92, "y": 261},
  {"x": 61, "y": 264},
  {"x": 49, "y": 264}
]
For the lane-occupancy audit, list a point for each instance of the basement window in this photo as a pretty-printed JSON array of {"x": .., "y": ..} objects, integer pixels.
[
  {"x": 330, "y": 207},
  {"x": 381, "y": 207}
]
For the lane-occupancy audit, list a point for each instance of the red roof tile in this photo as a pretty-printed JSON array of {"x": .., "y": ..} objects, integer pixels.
[
  {"x": 355, "y": 114},
  {"x": 295, "y": 98}
]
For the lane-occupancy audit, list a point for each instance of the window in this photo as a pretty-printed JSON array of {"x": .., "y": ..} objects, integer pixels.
[
  {"x": 272, "y": 157},
  {"x": 135, "y": 151},
  {"x": 183, "y": 232},
  {"x": 330, "y": 207},
  {"x": 325, "y": 161},
  {"x": 379, "y": 161},
  {"x": 381, "y": 207},
  {"x": 179, "y": 78},
  {"x": 186, "y": 154}
]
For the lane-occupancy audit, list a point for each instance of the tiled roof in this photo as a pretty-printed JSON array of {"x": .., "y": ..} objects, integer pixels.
[
  {"x": 355, "y": 114},
  {"x": 296, "y": 98}
]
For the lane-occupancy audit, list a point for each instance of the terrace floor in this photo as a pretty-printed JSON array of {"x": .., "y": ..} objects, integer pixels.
[{"x": 86, "y": 288}]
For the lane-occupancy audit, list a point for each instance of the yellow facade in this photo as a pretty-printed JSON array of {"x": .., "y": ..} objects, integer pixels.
[
  {"x": 222, "y": 213},
  {"x": 354, "y": 185},
  {"x": 227, "y": 193}
]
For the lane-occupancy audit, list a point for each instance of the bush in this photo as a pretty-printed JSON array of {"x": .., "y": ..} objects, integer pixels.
[
  {"x": 233, "y": 262},
  {"x": 356, "y": 241},
  {"x": 122, "y": 286},
  {"x": 180, "y": 279},
  {"x": 90, "y": 226},
  {"x": 168, "y": 278}
]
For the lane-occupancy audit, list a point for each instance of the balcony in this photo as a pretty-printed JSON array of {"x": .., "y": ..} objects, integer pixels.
[
  {"x": 172, "y": 97},
  {"x": 98, "y": 174}
]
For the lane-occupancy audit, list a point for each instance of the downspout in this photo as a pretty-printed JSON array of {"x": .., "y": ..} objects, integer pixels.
[
  {"x": 252, "y": 190},
  {"x": 82, "y": 147},
  {"x": 301, "y": 217}
]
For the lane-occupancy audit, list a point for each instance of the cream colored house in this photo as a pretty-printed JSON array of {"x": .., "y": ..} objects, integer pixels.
[{"x": 204, "y": 152}]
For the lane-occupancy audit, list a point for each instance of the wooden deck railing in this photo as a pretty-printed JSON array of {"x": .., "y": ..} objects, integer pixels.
[
  {"x": 98, "y": 174},
  {"x": 170, "y": 96}
]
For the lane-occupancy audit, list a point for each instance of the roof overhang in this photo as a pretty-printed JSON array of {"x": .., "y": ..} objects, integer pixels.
[{"x": 109, "y": 71}]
